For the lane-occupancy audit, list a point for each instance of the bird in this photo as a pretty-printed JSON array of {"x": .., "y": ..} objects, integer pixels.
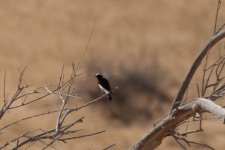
[{"x": 104, "y": 85}]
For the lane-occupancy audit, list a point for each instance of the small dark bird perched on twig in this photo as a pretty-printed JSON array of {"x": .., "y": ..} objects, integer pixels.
[{"x": 104, "y": 85}]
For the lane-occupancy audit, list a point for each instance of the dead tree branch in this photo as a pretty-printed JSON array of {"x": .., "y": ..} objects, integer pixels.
[
  {"x": 64, "y": 129},
  {"x": 154, "y": 137},
  {"x": 212, "y": 41},
  {"x": 211, "y": 89}
]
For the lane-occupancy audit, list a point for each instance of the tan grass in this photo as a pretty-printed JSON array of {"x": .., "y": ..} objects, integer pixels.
[{"x": 44, "y": 35}]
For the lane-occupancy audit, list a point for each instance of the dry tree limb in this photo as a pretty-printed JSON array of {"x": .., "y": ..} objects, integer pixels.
[
  {"x": 179, "y": 114},
  {"x": 154, "y": 137},
  {"x": 212, "y": 41},
  {"x": 218, "y": 34}
]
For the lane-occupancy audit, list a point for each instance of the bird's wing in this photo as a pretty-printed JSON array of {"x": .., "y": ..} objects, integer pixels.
[{"x": 106, "y": 85}]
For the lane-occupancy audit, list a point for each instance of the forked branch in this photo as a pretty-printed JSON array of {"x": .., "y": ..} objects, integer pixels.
[
  {"x": 154, "y": 137},
  {"x": 64, "y": 130},
  {"x": 212, "y": 41}
]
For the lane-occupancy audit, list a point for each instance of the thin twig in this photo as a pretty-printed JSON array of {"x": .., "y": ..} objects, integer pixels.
[
  {"x": 110, "y": 146},
  {"x": 216, "y": 17},
  {"x": 178, "y": 142},
  {"x": 86, "y": 46},
  {"x": 4, "y": 87}
]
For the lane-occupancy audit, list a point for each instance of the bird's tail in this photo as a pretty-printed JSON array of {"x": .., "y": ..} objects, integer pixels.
[{"x": 110, "y": 97}]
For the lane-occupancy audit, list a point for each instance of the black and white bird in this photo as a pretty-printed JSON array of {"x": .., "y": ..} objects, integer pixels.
[{"x": 104, "y": 85}]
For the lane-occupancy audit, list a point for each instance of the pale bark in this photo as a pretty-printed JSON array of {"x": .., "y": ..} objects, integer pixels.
[{"x": 154, "y": 137}]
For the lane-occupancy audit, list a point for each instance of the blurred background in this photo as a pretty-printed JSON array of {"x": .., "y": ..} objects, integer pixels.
[{"x": 145, "y": 48}]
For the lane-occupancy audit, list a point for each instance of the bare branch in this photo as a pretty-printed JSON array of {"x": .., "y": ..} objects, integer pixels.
[
  {"x": 81, "y": 136},
  {"x": 216, "y": 17},
  {"x": 188, "y": 142},
  {"x": 110, "y": 146},
  {"x": 212, "y": 41},
  {"x": 220, "y": 28},
  {"x": 154, "y": 137},
  {"x": 179, "y": 143},
  {"x": 86, "y": 46},
  {"x": 4, "y": 87},
  {"x": 62, "y": 131}
]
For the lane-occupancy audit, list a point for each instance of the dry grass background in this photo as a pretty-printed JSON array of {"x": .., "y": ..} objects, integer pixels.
[{"x": 145, "y": 47}]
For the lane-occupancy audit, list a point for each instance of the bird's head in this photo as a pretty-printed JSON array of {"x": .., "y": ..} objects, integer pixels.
[{"x": 99, "y": 76}]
